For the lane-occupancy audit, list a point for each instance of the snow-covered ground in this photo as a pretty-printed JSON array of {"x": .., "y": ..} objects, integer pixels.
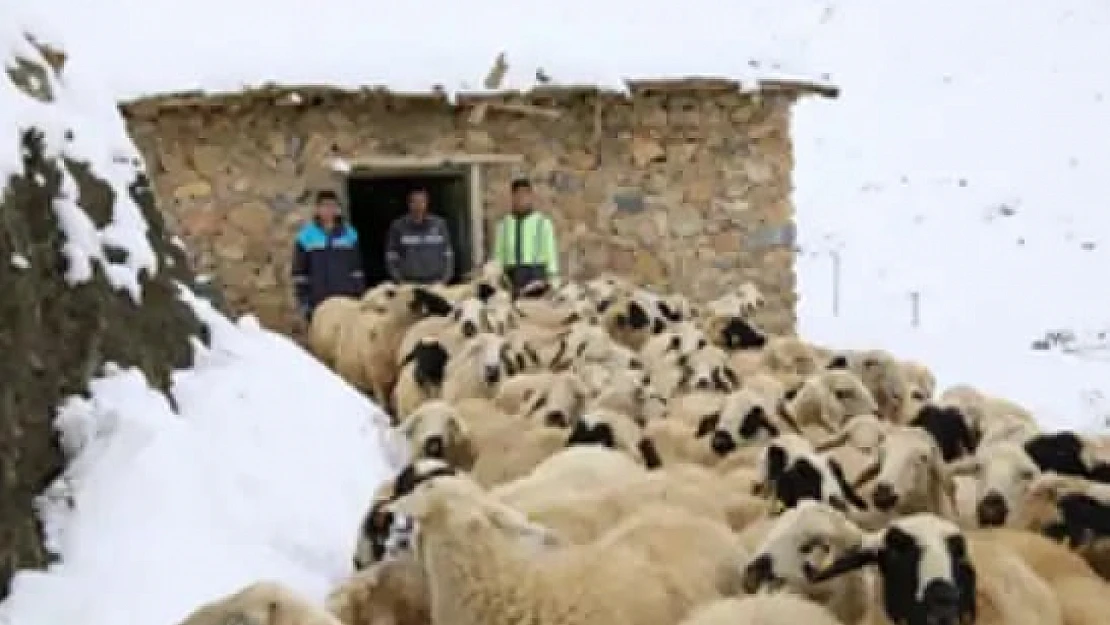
[
  {"x": 264, "y": 473},
  {"x": 963, "y": 162}
]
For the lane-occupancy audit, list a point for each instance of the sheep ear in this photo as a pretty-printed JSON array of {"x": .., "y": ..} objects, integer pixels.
[
  {"x": 967, "y": 465},
  {"x": 868, "y": 474},
  {"x": 408, "y": 426},
  {"x": 466, "y": 453},
  {"x": 833, "y": 442},
  {"x": 707, "y": 424},
  {"x": 855, "y": 558},
  {"x": 849, "y": 492}
]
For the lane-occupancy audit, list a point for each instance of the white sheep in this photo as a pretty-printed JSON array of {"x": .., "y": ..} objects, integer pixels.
[
  {"x": 393, "y": 592},
  {"x": 651, "y": 570},
  {"x": 779, "y": 609},
  {"x": 478, "y": 368},
  {"x": 929, "y": 572},
  {"x": 262, "y": 603},
  {"x": 908, "y": 476},
  {"x": 435, "y": 430}
]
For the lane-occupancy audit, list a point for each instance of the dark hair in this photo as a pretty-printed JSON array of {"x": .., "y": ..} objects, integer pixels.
[
  {"x": 520, "y": 183},
  {"x": 413, "y": 191},
  {"x": 326, "y": 195}
]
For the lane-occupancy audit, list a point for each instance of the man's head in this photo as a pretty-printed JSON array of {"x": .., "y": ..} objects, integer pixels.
[
  {"x": 521, "y": 195},
  {"x": 418, "y": 203},
  {"x": 327, "y": 206}
]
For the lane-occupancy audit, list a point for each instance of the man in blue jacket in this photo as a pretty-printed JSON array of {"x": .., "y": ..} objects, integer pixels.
[{"x": 326, "y": 257}]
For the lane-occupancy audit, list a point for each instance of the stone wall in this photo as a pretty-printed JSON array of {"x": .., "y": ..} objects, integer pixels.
[{"x": 683, "y": 188}]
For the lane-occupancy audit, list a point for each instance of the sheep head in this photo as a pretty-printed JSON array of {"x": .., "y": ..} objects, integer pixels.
[
  {"x": 803, "y": 541},
  {"x": 924, "y": 568},
  {"x": 435, "y": 430},
  {"x": 1002, "y": 475}
]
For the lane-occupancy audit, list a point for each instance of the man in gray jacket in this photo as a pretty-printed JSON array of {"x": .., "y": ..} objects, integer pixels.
[{"x": 418, "y": 247}]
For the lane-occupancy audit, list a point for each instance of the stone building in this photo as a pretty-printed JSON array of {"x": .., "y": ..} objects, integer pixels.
[{"x": 682, "y": 184}]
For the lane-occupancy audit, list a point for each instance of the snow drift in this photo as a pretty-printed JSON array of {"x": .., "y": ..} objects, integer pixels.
[{"x": 199, "y": 455}]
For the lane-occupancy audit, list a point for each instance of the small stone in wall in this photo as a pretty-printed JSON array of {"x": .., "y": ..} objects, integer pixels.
[
  {"x": 646, "y": 151},
  {"x": 773, "y": 236},
  {"x": 686, "y": 222},
  {"x": 193, "y": 190},
  {"x": 628, "y": 200}
]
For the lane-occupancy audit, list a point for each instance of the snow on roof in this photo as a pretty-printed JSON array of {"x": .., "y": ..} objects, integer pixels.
[
  {"x": 78, "y": 122},
  {"x": 217, "y": 46}
]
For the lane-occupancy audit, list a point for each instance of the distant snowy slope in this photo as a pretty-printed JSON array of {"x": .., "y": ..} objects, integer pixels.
[{"x": 966, "y": 160}]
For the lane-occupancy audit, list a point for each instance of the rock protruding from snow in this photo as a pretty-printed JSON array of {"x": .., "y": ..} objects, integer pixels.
[{"x": 84, "y": 286}]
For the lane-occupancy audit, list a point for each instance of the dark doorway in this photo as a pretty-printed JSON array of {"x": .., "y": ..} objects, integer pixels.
[{"x": 375, "y": 201}]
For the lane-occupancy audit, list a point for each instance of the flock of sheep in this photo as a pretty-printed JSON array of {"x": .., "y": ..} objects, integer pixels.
[{"x": 607, "y": 455}]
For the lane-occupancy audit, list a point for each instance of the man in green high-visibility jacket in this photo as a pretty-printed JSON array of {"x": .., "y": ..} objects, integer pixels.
[{"x": 525, "y": 245}]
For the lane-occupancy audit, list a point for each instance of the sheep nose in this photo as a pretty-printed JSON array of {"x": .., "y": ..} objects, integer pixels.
[
  {"x": 722, "y": 443},
  {"x": 492, "y": 374},
  {"x": 556, "y": 419},
  {"x": 434, "y": 447},
  {"x": 756, "y": 573},
  {"x": 702, "y": 385},
  {"x": 469, "y": 329},
  {"x": 992, "y": 510},
  {"x": 941, "y": 600},
  {"x": 884, "y": 497}
]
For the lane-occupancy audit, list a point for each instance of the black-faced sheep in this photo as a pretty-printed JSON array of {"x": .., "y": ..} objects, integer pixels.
[
  {"x": 421, "y": 376},
  {"x": 948, "y": 427},
  {"x": 559, "y": 349},
  {"x": 556, "y": 399},
  {"x": 743, "y": 422},
  {"x": 1069, "y": 453},
  {"x": 367, "y": 349},
  {"x": 515, "y": 449},
  {"x": 801, "y": 542},
  {"x": 479, "y": 573},
  {"x": 679, "y": 340},
  {"x": 467, "y": 318},
  {"x": 992, "y": 418},
  {"x": 792, "y": 471},
  {"x": 631, "y": 319},
  {"x": 262, "y": 603},
  {"x": 1073, "y": 510},
  {"x": 707, "y": 369},
  {"x": 733, "y": 333},
  {"x": 373, "y": 531},
  {"x": 929, "y": 573}
]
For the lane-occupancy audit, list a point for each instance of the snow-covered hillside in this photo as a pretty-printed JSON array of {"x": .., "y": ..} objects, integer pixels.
[
  {"x": 964, "y": 161},
  {"x": 159, "y": 508}
]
